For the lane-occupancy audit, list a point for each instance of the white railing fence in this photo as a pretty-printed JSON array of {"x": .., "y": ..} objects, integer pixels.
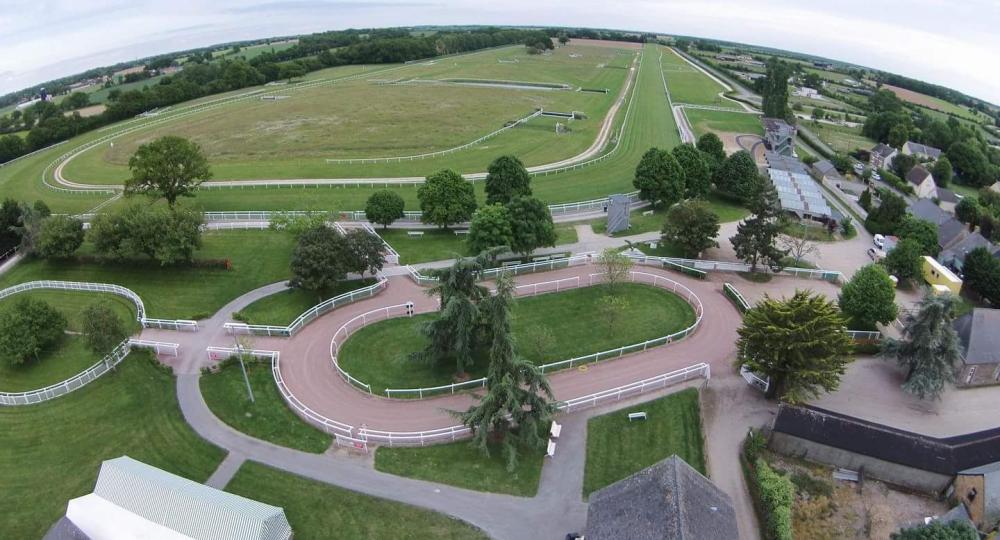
[
  {"x": 309, "y": 315},
  {"x": 657, "y": 382},
  {"x": 357, "y": 323},
  {"x": 755, "y": 380},
  {"x": 730, "y": 266},
  {"x": 161, "y": 348},
  {"x": 223, "y": 353}
]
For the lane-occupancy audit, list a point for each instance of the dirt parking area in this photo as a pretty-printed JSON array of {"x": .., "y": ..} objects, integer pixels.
[{"x": 825, "y": 508}]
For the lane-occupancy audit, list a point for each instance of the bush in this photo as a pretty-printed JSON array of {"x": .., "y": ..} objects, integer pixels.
[
  {"x": 772, "y": 493},
  {"x": 27, "y": 329}
]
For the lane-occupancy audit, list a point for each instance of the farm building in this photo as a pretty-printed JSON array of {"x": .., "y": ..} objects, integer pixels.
[
  {"x": 779, "y": 136},
  {"x": 668, "y": 500},
  {"x": 922, "y": 151},
  {"x": 823, "y": 170},
  {"x": 923, "y": 182},
  {"x": 980, "y": 345},
  {"x": 798, "y": 193},
  {"x": 135, "y": 500},
  {"x": 881, "y": 156},
  {"x": 806, "y": 92}
]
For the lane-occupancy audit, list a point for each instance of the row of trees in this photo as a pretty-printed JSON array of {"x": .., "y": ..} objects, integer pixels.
[{"x": 982, "y": 211}]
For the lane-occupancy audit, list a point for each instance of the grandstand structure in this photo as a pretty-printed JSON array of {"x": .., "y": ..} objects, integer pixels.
[{"x": 798, "y": 193}]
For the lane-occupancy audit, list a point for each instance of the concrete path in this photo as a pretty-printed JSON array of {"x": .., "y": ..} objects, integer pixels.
[{"x": 226, "y": 470}]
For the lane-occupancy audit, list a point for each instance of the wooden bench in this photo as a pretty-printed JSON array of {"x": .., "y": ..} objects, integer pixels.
[
  {"x": 550, "y": 451},
  {"x": 647, "y": 213},
  {"x": 641, "y": 415},
  {"x": 555, "y": 430},
  {"x": 461, "y": 231},
  {"x": 414, "y": 233}
]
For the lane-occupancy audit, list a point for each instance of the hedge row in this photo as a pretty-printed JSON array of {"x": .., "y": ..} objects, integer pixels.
[
  {"x": 741, "y": 304},
  {"x": 772, "y": 493}
]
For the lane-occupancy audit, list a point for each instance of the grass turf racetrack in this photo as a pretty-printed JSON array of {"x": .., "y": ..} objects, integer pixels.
[
  {"x": 704, "y": 121},
  {"x": 52, "y": 452},
  {"x": 70, "y": 355},
  {"x": 292, "y": 137},
  {"x": 688, "y": 85},
  {"x": 379, "y": 354}
]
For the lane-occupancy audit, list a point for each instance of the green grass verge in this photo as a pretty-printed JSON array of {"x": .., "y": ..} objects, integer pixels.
[
  {"x": 704, "y": 121},
  {"x": 617, "y": 448},
  {"x": 52, "y": 452},
  {"x": 268, "y": 417},
  {"x": 459, "y": 464},
  {"x": 317, "y": 510},
  {"x": 842, "y": 139},
  {"x": 258, "y": 258},
  {"x": 379, "y": 354},
  {"x": 725, "y": 208},
  {"x": 70, "y": 355},
  {"x": 280, "y": 309},
  {"x": 441, "y": 244}
]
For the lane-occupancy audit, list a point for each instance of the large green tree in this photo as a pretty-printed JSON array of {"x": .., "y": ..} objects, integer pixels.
[
  {"x": 446, "y": 198},
  {"x": 754, "y": 242},
  {"x": 938, "y": 530},
  {"x": 167, "y": 236},
  {"x": 168, "y": 168},
  {"x": 10, "y": 219},
  {"x": 801, "y": 343},
  {"x": 929, "y": 349},
  {"x": 982, "y": 274},
  {"x": 869, "y": 298},
  {"x": 967, "y": 211},
  {"x": 714, "y": 150},
  {"x": 28, "y": 328},
  {"x": 691, "y": 226},
  {"x": 531, "y": 225},
  {"x": 102, "y": 328},
  {"x": 384, "y": 207},
  {"x": 659, "y": 178},
  {"x": 697, "y": 172},
  {"x": 922, "y": 231},
  {"x": 516, "y": 405},
  {"x": 318, "y": 262},
  {"x": 506, "y": 179},
  {"x": 889, "y": 214},
  {"x": 774, "y": 88},
  {"x": 971, "y": 163},
  {"x": 490, "y": 227},
  {"x": 59, "y": 237},
  {"x": 738, "y": 177},
  {"x": 904, "y": 260},
  {"x": 942, "y": 172}
]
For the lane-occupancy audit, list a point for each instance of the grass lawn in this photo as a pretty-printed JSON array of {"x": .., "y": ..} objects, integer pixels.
[
  {"x": 842, "y": 139},
  {"x": 280, "y": 309},
  {"x": 268, "y": 418},
  {"x": 70, "y": 355},
  {"x": 459, "y": 464},
  {"x": 617, "y": 448},
  {"x": 52, "y": 452},
  {"x": 661, "y": 250},
  {"x": 704, "y": 121},
  {"x": 378, "y": 354},
  {"x": 318, "y": 510},
  {"x": 441, "y": 244},
  {"x": 258, "y": 258},
  {"x": 725, "y": 208},
  {"x": 688, "y": 85}
]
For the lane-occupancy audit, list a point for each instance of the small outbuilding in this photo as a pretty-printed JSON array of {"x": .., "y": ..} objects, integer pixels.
[
  {"x": 666, "y": 501},
  {"x": 135, "y": 500},
  {"x": 979, "y": 339}
]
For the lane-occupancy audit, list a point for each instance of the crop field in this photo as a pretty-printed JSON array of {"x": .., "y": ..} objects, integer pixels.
[
  {"x": 704, "y": 121},
  {"x": 932, "y": 102},
  {"x": 439, "y": 102},
  {"x": 688, "y": 85}
]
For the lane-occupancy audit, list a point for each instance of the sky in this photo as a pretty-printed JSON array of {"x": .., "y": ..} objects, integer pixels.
[{"x": 946, "y": 42}]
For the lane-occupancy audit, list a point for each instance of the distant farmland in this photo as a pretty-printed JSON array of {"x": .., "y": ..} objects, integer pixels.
[{"x": 932, "y": 102}]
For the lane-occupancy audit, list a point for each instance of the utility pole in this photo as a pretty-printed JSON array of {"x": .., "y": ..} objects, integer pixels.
[{"x": 239, "y": 355}]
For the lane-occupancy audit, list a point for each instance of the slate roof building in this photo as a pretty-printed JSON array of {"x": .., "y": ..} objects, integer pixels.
[
  {"x": 923, "y": 182},
  {"x": 954, "y": 257},
  {"x": 947, "y": 199},
  {"x": 979, "y": 335},
  {"x": 950, "y": 230},
  {"x": 824, "y": 170},
  {"x": 666, "y": 501},
  {"x": 881, "y": 156},
  {"x": 135, "y": 500},
  {"x": 911, "y": 148},
  {"x": 779, "y": 136}
]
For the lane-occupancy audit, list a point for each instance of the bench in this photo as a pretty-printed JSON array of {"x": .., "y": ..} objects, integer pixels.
[
  {"x": 414, "y": 233},
  {"x": 550, "y": 451},
  {"x": 461, "y": 231},
  {"x": 641, "y": 415},
  {"x": 647, "y": 213},
  {"x": 555, "y": 430}
]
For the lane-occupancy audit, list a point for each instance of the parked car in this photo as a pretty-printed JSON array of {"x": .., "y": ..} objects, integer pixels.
[
  {"x": 876, "y": 176},
  {"x": 876, "y": 254},
  {"x": 879, "y": 241},
  {"x": 859, "y": 168}
]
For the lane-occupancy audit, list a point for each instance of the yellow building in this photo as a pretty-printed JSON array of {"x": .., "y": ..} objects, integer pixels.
[{"x": 940, "y": 278}]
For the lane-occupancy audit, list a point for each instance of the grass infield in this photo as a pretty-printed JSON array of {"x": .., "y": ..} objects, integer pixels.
[
  {"x": 280, "y": 309},
  {"x": 317, "y": 510},
  {"x": 379, "y": 354},
  {"x": 617, "y": 448},
  {"x": 52, "y": 452}
]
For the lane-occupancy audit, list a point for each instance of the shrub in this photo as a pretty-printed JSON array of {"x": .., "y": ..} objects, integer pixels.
[{"x": 776, "y": 495}]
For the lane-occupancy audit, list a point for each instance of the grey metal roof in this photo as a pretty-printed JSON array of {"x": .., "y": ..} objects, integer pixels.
[
  {"x": 668, "y": 500},
  {"x": 917, "y": 148},
  {"x": 950, "y": 232},
  {"x": 824, "y": 167},
  {"x": 187, "y": 507},
  {"x": 883, "y": 150},
  {"x": 947, "y": 195},
  {"x": 926, "y": 209},
  {"x": 798, "y": 192},
  {"x": 958, "y": 252},
  {"x": 917, "y": 175},
  {"x": 979, "y": 334},
  {"x": 785, "y": 163}
]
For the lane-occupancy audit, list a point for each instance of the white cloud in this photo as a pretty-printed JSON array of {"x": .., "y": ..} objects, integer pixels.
[{"x": 947, "y": 43}]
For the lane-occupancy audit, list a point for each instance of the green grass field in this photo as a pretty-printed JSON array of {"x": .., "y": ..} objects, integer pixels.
[
  {"x": 52, "y": 452},
  {"x": 841, "y": 138},
  {"x": 688, "y": 85},
  {"x": 726, "y": 209},
  {"x": 70, "y": 355},
  {"x": 282, "y": 308},
  {"x": 378, "y": 354},
  {"x": 437, "y": 245},
  {"x": 258, "y": 258},
  {"x": 617, "y": 448},
  {"x": 268, "y": 417},
  {"x": 318, "y": 511},
  {"x": 459, "y": 464},
  {"x": 705, "y": 121}
]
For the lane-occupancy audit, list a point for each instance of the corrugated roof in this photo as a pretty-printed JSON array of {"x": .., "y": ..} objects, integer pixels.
[
  {"x": 668, "y": 500},
  {"x": 187, "y": 507}
]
